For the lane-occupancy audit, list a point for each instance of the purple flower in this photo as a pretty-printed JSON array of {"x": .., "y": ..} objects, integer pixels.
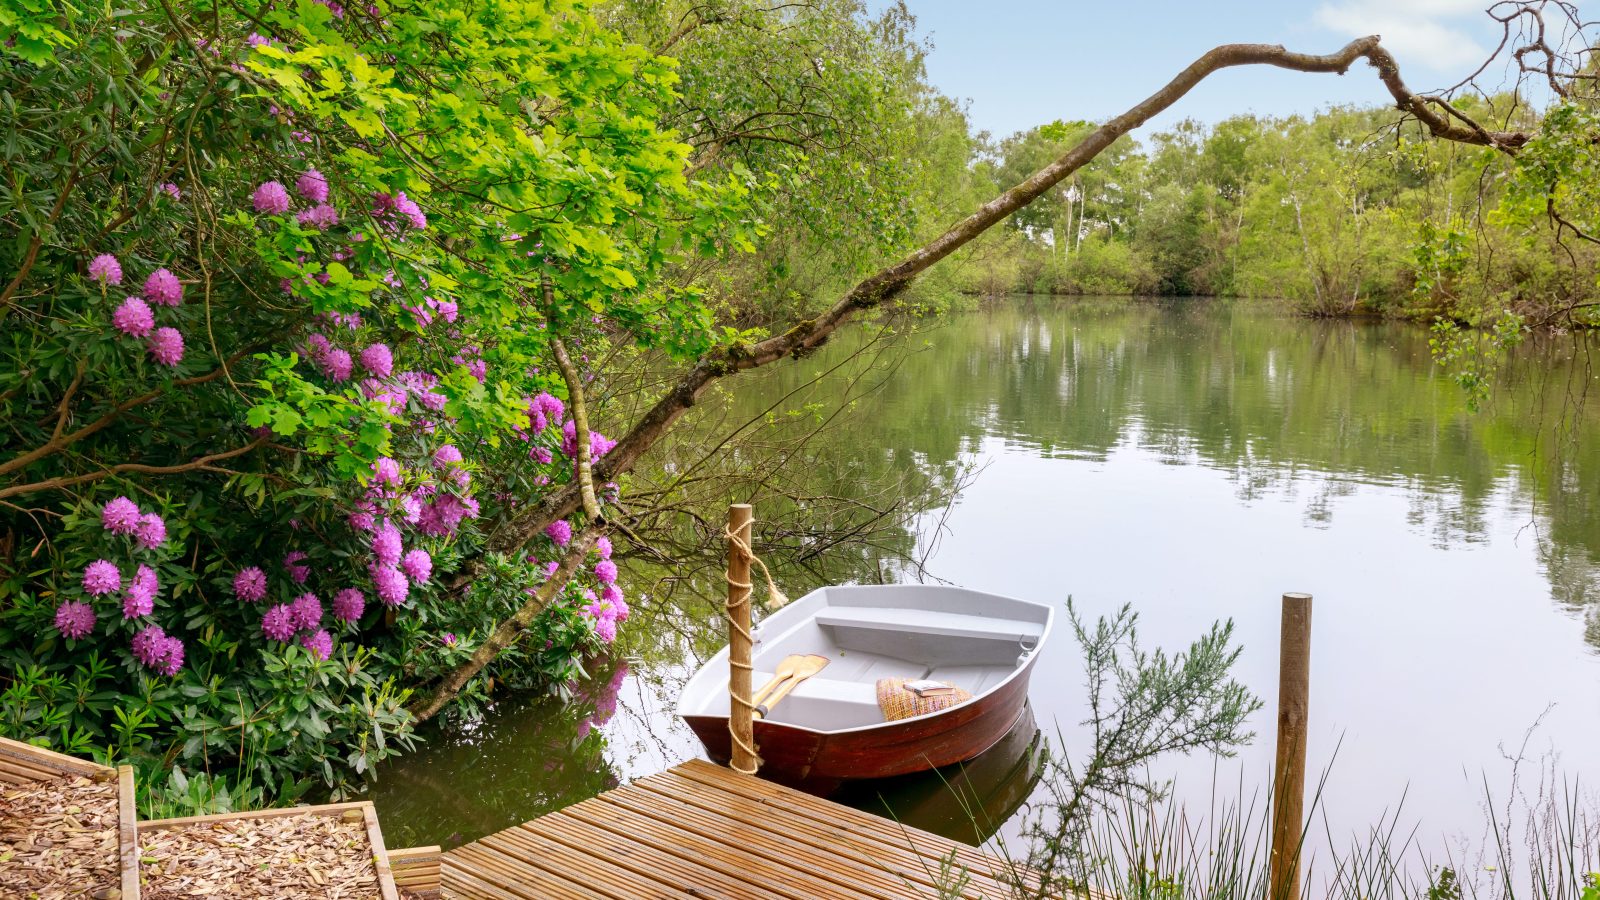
[
  {"x": 378, "y": 360},
  {"x": 606, "y": 572},
  {"x": 446, "y": 455},
  {"x": 101, "y": 577},
  {"x": 550, "y": 409},
  {"x": 293, "y": 564},
  {"x": 120, "y": 516},
  {"x": 134, "y": 318},
  {"x": 74, "y": 619},
  {"x": 250, "y": 584},
  {"x": 105, "y": 269},
  {"x": 320, "y": 217},
  {"x": 603, "y": 545},
  {"x": 348, "y": 605},
  {"x": 149, "y": 646},
  {"x": 559, "y": 531},
  {"x": 317, "y": 347},
  {"x": 606, "y": 628},
  {"x": 157, "y": 650},
  {"x": 391, "y": 583},
  {"x": 306, "y": 612},
  {"x": 312, "y": 185},
  {"x": 413, "y": 213},
  {"x": 163, "y": 288},
  {"x": 278, "y": 622},
  {"x": 391, "y": 209},
  {"x": 166, "y": 346},
  {"x": 363, "y": 518},
  {"x": 319, "y": 643},
  {"x": 271, "y": 198},
  {"x": 448, "y": 639},
  {"x": 410, "y": 509},
  {"x": 336, "y": 364},
  {"x": 171, "y": 657},
  {"x": 172, "y": 191},
  {"x": 151, "y": 531},
  {"x": 386, "y": 546},
  {"x": 418, "y": 566},
  {"x": 141, "y": 597},
  {"x": 599, "y": 444},
  {"x": 386, "y": 471}
]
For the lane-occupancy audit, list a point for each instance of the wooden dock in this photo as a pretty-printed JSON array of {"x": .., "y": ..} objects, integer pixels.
[{"x": 703, "y": 831}]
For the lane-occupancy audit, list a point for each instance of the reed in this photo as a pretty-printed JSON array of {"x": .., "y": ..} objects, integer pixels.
[{"x": 1536, "y": 842}]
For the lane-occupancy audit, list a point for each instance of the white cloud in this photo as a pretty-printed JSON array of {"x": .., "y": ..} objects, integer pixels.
[{"x": 1418, "y": 32}]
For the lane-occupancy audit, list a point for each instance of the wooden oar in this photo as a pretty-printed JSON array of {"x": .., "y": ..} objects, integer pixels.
[
  {"x": 805, "y": 667},
  {"x": 785, "y": 671}
]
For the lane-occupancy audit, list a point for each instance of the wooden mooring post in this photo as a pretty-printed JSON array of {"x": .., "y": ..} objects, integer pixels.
[
  {"x": 1289, "y": 782},
  {"x": 741, "y": 717}
]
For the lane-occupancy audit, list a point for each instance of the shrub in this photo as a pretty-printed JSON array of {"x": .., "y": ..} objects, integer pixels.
[{"x": 276, "y": 355}]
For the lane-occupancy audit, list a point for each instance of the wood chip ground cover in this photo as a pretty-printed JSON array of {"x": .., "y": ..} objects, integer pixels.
[
  {"x": 58, "y": 839},
  {"x": 291, "y": 857}
]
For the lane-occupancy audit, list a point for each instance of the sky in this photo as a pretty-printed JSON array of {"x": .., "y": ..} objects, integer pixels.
[{"x": 1023, "y": 63}]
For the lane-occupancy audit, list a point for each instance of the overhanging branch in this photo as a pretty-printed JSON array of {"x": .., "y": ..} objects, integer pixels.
[{"x": 892, "y": 280}]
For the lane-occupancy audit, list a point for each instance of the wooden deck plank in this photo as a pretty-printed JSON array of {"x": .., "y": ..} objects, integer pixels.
[
  {"x": 849, "y": 821},
  {"x": 480, "y": 872},
  {"x": 601, "y": 874},
  {"x": 901, "y": 860},
  {"x": 722, "y": 852},
  {"x": 701, "y": 832},
  {"x": 838, "y": 867},
  {"x": 693, "y": 878}
]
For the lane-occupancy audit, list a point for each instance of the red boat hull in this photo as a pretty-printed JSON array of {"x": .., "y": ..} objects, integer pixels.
[{"x": 818, "y": 762}]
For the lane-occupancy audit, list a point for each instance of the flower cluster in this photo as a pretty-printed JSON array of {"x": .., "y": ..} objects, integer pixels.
[
  {"x": 158, "y": 650},
  {"x": 76, "y": 619},
  {"x": 134, "y": 317}
]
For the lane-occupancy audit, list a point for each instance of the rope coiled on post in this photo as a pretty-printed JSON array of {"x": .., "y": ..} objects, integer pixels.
[{"x": 744, "y": 592}]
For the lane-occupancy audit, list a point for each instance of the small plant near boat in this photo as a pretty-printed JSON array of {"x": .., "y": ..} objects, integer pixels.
[{"x": 1143, "y": 705}]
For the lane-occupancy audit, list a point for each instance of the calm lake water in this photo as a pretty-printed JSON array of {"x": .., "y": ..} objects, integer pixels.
[{"x": 1194, "y": 459}]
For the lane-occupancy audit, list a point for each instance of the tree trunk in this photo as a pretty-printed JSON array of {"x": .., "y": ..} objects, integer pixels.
[{"x": 509, "y": 631}]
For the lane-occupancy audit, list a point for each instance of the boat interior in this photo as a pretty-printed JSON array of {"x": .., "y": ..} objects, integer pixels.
[{"x": 966, "y": 639}]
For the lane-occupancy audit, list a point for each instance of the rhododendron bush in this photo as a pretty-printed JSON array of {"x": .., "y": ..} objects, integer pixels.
[{"x": 280, "y": 286}]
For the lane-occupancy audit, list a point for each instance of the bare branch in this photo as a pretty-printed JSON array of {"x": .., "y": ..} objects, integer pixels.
[{"x": 204, "y": 463}]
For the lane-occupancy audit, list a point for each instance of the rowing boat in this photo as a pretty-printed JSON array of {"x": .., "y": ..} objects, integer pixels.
[{"x": 832, "y": 727}]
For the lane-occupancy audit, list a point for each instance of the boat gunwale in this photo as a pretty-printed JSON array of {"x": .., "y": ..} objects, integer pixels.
[{"x": 1023, "y": 670}]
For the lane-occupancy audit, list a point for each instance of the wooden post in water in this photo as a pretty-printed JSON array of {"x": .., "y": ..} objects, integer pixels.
[
  {"x": 1289, "y": 788},
  {"x": 741, "y": 719}
]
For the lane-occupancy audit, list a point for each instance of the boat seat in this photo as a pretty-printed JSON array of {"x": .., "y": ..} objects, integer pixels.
[
  {"x": 835, "y": 689},
  {"x": 921, "y": 621},
  {"x": 827, "y": 703}
]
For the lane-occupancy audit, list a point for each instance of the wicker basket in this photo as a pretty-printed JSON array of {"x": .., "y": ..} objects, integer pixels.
[{"x": 900, "y": 702}]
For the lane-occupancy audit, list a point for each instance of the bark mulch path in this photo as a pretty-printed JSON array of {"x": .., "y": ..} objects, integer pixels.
[
  {"x": 290, "y": 857},
  {"x": 58, "y": 839}
]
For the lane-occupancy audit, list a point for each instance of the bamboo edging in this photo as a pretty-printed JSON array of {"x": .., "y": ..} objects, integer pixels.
[
  {"x": 128, "y": 833},
  {"x": 22, "y": 763},
  {"x": 416, "y": 870}
]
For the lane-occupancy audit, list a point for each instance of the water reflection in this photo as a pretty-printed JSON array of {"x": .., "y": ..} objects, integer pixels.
[
  {"x": 521, "y": 761},
  {"x": 968, "y": 801},
  {"x": 1196, "y": 460}
]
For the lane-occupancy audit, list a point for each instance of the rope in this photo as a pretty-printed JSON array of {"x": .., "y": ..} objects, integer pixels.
[{"x": 744, "y": 592}]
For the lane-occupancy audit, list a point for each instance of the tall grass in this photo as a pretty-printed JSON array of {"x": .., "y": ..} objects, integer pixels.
[{"x": 1538, "y": 842}]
